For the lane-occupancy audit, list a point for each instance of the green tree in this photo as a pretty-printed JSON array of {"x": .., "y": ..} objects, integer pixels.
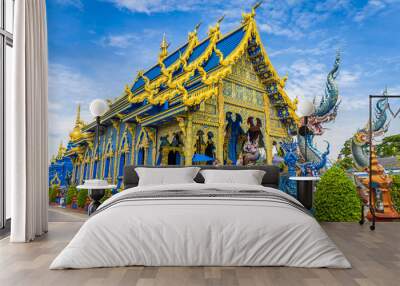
[
  {"x": 345, "y": 160},
  {"x": 390, "y": 146},
  {"x": 346, "y": 149},
  {"x": 336, "y": 198}
]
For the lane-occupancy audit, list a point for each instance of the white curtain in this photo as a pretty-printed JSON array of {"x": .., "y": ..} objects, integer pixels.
[{"x": 26, "y": 120}]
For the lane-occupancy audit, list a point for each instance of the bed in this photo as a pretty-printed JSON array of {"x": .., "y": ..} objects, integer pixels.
[{"x": 198, "y": 224}]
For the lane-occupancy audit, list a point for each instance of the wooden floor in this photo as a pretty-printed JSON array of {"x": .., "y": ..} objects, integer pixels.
[{"x": 375, "y": 257}]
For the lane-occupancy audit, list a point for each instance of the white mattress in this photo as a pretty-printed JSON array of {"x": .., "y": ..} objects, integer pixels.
[{"x": 202, "y": 231}]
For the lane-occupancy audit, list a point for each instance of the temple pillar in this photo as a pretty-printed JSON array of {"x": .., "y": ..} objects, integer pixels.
[
  {"x": 221, "y": 125},
  {"x": 82, "y": 168},
  {"x": 189, "y": 140},
  {"x": 73, "y": 176},
  {"x": 268, "y": 142},
  {"x": 102, "y": 158},
  {"x": 117, "y": 127},
  {"x": 132, "y": 130}
]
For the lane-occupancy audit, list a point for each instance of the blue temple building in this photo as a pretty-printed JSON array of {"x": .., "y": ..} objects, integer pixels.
[{"x": 219, "y": 98}]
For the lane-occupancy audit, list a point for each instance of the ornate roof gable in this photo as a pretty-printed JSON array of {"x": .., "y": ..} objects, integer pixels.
[{"x": 209, "y": 61}]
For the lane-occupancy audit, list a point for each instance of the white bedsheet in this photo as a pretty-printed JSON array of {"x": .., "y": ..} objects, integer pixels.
[{"x": 200, "y": 231}]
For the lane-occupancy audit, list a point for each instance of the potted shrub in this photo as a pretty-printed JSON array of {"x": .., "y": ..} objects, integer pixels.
[
  {"x": 336, "y": 198},
  {"x": 82, "y": 198},
  {"x": 71, "y": 193}
]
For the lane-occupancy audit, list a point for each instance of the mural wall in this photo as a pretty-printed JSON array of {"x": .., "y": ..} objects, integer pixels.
[{"x": 216, "y": 101}]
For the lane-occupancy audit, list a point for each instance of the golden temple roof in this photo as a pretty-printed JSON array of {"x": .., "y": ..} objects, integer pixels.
[{"x": 207, "y": 62}]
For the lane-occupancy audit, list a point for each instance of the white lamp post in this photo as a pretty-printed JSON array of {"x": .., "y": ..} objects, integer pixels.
[
  {"x": 98, "y": 108},
  {"x": 306, "y": 109},
  {"x": 96, "y": 188}
]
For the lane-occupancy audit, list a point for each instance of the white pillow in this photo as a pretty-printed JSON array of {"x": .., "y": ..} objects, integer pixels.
[
  {"x": 248, "y": 177},
  {"x": 166, "y": 176}
]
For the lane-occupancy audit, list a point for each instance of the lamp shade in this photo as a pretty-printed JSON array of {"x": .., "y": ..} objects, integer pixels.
[
  {"x": 306, "y": 108},
  {"x": 98, "y": 107}
]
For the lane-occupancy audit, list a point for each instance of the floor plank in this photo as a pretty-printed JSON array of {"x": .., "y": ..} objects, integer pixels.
[{"x": 375, "y": 257}]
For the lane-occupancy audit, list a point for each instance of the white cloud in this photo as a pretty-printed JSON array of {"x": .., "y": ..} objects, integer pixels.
[
  {"x": 275, "y": 29},
  {"x": 67, "y": 89},
  {"x": 154, "y": 6},
  {"x": 370, "y": 9},
  {"x": 74, "y": 3},
  {"x": 324, "y": 47},
  {"x": 125, "y": 40},
  {"x": 306, "y": 79},
  {"x": 119, "y": 41},
  {"x": 348, "y": 78}
]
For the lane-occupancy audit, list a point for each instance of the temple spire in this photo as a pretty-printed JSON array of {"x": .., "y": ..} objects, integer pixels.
[
  {"x": 78, "y": 115},
  {"x": 164, "y": 47},
  {"x": 61, "y": 150},
  {"x": 76, "y": 132}
]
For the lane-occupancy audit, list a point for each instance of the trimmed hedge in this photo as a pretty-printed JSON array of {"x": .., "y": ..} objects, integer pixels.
[
  {"x": 82, "y": 196},
  {"x": 72, "y": 191},
  {"x": 395, "y": 193},
  {"x": 336, "y": 198}
]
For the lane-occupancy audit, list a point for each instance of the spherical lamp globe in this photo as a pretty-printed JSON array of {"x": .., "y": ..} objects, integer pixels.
[
  {"x": 306, "y": 108},
  {"x": 98, "y": 107}
]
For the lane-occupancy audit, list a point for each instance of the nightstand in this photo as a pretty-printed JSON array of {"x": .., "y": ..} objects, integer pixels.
[{"x": 305, "y": 188}]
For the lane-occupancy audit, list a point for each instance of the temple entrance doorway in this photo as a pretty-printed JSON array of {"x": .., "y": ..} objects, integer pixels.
[{"x": 173, "y": 157}]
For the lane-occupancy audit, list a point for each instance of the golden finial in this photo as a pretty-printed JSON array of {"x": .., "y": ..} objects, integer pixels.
[
  {"x": 221, "y": 19},
  {"x": 78, "y": 115},
  {"x": 248, "y": 16},
  {"x": 254, "y": 8},
  {"x": 164, "y": 47},
  {"x": 215, "y": 29},
  {"x": 196, "y": 28},
  {"x": 296, "y": 102},
  {"x": 284, "y": 79}
]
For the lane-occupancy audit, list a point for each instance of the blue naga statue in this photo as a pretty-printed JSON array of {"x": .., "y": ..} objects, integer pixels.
[
  {"x": 312, "y": 168},
  {"x": 359, "y": 144},
  {"x": 290, "y": 159},
  {"x": 325, "y": 111}
]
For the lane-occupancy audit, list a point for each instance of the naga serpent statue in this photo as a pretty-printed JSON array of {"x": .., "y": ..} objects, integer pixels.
[
  {"x": 360, "y": 140},
  {"x": 290, "y": 158},
  {"x": 325, "y": 111}
]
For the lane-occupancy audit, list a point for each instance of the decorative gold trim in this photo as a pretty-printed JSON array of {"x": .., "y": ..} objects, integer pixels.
[
  {"x": 221, "y": 124},
  {"x": 188, "y": 144},
  {"x": 268, "y": 128}
]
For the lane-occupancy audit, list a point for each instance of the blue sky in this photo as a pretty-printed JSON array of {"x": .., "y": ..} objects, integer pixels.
[{"x": 97, "y": 46}]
